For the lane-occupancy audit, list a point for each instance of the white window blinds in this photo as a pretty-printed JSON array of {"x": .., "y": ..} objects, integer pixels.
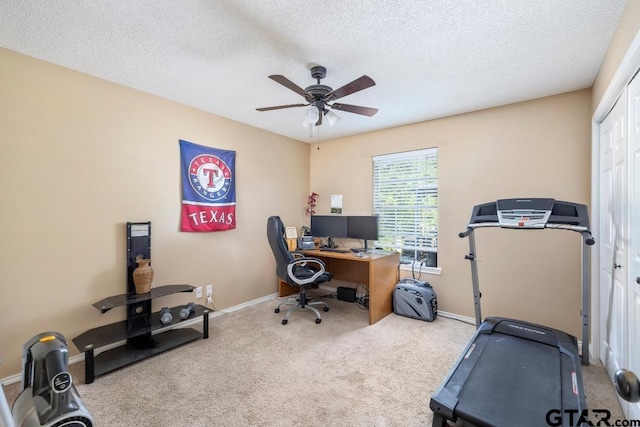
[{"x": 405, "y": 198}]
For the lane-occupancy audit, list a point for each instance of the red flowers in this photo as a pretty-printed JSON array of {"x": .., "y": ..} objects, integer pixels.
[{"x": 311, "y": 204}]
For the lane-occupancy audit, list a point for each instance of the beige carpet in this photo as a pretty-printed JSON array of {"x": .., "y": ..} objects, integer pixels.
[{"x": 253, "y": 371}]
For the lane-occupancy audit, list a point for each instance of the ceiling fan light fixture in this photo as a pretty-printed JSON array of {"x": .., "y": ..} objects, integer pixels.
[
  {"x": 311, "y": 117},
  {"x": 331, "y": 117}
]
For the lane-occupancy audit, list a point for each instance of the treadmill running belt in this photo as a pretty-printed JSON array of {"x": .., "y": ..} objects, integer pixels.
[
  {"x": 512, "y": 373},
  {"x": 521, "y": 379}
]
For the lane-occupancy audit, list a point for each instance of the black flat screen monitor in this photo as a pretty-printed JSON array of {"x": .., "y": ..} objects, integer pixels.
[
  {"x": 363, "y": 227},
  {"x": 333, "y": 226}
]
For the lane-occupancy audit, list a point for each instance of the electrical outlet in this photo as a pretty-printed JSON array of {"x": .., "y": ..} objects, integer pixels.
[
  {"x": 209, "y": 290},
  {"x": 199, "y": 292}
]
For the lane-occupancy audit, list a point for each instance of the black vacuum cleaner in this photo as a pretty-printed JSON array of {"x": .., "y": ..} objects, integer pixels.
[{"x": 48, "y": 397}]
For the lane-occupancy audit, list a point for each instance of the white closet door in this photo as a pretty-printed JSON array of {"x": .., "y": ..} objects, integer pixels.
[
  {"x": 634, "y": 236},
  {"x": 613, "y": 241}
]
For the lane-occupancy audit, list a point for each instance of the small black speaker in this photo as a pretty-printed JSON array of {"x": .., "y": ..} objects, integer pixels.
[{"x": 346, "y": 294}]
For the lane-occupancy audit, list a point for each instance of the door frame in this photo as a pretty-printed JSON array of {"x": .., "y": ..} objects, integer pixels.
[{"x": 626, "y": 70}]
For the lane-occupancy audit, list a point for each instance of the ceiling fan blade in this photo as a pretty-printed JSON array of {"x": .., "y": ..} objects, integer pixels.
[
  {"x": 280, "y": 107},
  {"x": 289, "y": 84},
  {"x": 365, "y": 111},
  {"x": 355, "y": 86}
]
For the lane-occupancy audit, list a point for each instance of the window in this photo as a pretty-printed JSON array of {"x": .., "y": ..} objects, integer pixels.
[{"x": 405, "y": 198}]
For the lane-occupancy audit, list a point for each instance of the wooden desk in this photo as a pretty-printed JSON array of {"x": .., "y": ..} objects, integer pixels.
[{"x": 378, "y": 272}]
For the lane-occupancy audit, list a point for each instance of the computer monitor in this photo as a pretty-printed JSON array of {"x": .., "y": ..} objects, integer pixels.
[
  {"x": 363, "y": 227},
  {"x": 329, "y": 226}
]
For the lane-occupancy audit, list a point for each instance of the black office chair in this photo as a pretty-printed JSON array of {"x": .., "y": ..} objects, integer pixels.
[{"x": 296, "y": 269}]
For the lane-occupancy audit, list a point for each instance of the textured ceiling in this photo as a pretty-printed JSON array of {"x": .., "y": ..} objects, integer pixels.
[{"x": 429, "y": 59}]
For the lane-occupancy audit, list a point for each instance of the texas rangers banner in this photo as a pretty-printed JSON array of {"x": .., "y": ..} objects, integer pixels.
[{"x": 208, "y": 188}]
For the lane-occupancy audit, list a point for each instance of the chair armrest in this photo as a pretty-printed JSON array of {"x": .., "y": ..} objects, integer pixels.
[
  {"x": 302, "y": 262},
  {"x": 297, "y": 254}
]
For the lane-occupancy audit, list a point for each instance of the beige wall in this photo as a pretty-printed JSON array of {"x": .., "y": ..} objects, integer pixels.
[
  {"x": 79, "y": 158},
  {"x": 539, "y": 148},
  {"x": 626, "y": 31}
]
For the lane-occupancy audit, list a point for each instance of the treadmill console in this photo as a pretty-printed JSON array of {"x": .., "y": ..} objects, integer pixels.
[
  {"x": 524, "y": 213},
  {"x": 530, "y": 213}
]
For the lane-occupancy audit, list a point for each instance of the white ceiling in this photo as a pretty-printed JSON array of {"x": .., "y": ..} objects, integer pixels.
[{"x": 429, "y": 58}]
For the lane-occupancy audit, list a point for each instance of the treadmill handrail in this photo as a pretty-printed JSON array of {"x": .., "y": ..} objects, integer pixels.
[
  {"x": 465, "y": 233},
  {"x": 577, "y": 228}
]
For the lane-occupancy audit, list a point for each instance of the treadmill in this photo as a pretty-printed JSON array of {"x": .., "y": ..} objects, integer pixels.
[{"x": 512, "y": 372}]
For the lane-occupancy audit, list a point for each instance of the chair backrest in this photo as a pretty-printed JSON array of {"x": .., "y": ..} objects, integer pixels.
[{"x": 279, "y": 247}]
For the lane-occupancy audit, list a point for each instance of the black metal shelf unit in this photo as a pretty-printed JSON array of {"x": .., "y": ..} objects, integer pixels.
[{"x": 141, "y": 323}]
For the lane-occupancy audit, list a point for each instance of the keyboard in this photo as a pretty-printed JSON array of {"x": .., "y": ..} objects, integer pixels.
[
  {"x": 380, "y": 252},
  {"x": 341, "y": 251}
]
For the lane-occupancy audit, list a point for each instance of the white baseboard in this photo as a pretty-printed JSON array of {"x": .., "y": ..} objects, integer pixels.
[
  {"x": 465, "y": 319},
  {"x": 196, "y": 320}
]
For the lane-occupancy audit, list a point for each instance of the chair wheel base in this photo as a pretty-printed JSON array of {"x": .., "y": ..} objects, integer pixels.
[
  {"x": 284, "y": 321},
  {"x": 326, "y": 309},
  {"x": 277, "y": 310},
  {"x": 318, "y": 320}
]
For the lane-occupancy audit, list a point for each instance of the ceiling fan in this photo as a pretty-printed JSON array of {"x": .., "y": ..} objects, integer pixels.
[{"x": 322, "y": 96}]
